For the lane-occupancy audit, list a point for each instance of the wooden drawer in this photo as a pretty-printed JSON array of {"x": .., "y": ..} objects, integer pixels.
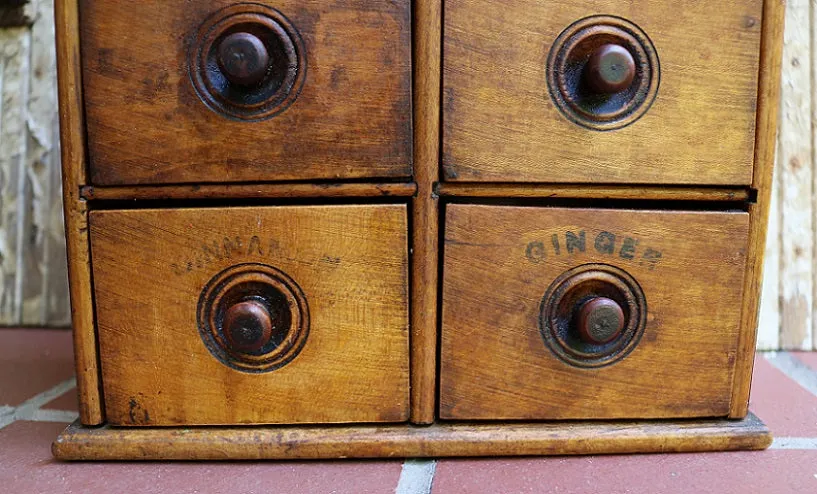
[
  {"x": 512, "y": 342},
  {"x": 166, "y": 101},
  {"x": 252, "y": 315},
  {"x": 517, "y": 106}
]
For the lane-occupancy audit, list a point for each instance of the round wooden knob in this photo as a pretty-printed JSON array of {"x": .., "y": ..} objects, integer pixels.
[
  {"x": 243, "y": 59},
  {"x": 247, "y": 326},
  {"x": 601, "y": 320},
  {"x": 611, "y": 69}
]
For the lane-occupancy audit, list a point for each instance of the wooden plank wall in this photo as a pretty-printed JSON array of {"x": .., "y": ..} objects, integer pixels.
[
  {"x": 33, "y": 278},
  {"x": 33, "y": 286},
  {"x": 787, "y": 308}
]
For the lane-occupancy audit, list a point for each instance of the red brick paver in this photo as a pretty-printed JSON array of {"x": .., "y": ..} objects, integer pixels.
[
  {"x": 770, "y": 472},
  {"x": 26, "y": 466},
  {"x": 785, "y": 406},
  {"x": 34, "y": 361},
  {"x": 66, "y": 401}
]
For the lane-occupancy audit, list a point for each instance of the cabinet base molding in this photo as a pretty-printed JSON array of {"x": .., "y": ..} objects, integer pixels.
[{"x": 79, "y": 442}]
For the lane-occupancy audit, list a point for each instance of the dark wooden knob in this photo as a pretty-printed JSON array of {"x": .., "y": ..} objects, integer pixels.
[
  {"x": 247, "y": 326},
  {"x": 600, "y": 320},
  {"x": 243, "y": 59},
  {"x": 611, "y": 69}
]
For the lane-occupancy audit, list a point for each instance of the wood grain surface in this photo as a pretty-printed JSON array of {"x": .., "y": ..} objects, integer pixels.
[
  {"x": 509, "y": 439},
  {"x": 768, "y": 111},
  {"x": 89, "y": 384},
  {"x": 797, "y": 179},
  {"x": 425, "y": 210},
  {"x": 592, "y": 191},
  {"x": 146, "y": 124},
  {"x": 500, "y": 125},
  {"x": 33, "y": 274},
  {"x": 250, "y": 191},
  {"x": 150, "y": 267},
  {"x": 494, "y": 363}
]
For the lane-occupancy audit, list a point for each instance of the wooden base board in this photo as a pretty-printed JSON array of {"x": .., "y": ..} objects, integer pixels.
[{"x": 78, "y": 442}]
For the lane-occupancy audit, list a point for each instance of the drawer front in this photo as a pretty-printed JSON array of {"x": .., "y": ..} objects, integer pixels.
[
  {"x": 589, "y": 313},
  {"x": 252, "y": 315},
  {"x": 221, "y": 91},
  {"x": 527, "y": 97}
]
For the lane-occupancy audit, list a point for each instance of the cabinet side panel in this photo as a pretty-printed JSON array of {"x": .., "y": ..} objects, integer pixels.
[
  {"x": 767, "y": 111},
  {"x": 76, "y": 217}
]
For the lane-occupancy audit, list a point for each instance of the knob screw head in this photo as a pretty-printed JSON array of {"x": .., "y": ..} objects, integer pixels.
[
  {"x": 601, "y": 320},
  {"x": 247, "y": 326},
  {"x": 243, "y": 59},
  {"x": 610, "y": 70}
]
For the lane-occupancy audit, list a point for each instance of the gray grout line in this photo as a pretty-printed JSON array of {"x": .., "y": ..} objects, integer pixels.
[
  {"x": 416, "y": 477},
  {"x": 794, "y": 443},
  {"x": 6, "y": 415},
  {"x": 797, "y": 371},
  {"x": 30, "y": 409},
  {"x": 53, "y": 416}
]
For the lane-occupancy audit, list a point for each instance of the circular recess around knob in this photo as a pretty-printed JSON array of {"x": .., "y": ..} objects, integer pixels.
[
  {"x": 603, "y": 73},
  {"x": 247, "y": 62},
  {"x": 593, "y": 315},
  {"x": 253, "y": 317}
]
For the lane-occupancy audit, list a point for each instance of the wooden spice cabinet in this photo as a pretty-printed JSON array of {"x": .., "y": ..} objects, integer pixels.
[{"x": 432, "y": 228}]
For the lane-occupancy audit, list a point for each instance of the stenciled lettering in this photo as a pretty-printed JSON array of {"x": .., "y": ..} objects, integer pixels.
[
  {"x": 227, "y": 248},
  {"x": 575, "y": 242},
  {"x": 605, "y": 243},
  {"x": 535, "y": 252}
]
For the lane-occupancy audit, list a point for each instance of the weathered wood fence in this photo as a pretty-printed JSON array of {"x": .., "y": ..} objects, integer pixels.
[
  {"x": 32, "y": 250},
  {"x": 787, "y": 307}
]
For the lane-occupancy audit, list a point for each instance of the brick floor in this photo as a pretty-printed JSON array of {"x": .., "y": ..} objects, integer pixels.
[
  {"x": 38, "y": 399},
  {"x": 26, "y": 466},
  {"x": 772, "y": 471},
  {"x": 32, "y": 361}
]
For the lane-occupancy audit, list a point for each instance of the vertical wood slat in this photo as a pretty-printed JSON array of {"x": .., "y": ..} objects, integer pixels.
[
  {"x": 771, "y": 54},
  {"x": 796, "y": 168},
  {"x": 813, "y": 165},
  {"x": 425, "y": 209},
  {"x": 45, "y": 278},
  {"x": 14, "y": 61},
  {"x": 33, "y": 281},
  {"x": 768, "y": 330},
  {"x": 72, "y": 127}
]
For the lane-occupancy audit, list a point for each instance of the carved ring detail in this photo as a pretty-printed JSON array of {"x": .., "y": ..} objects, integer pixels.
[{"x": 253, "y": 318}]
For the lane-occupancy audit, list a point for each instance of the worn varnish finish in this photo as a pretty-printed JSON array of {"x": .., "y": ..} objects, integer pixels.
[
  {"x": 91, "y": 409},
  {"x": 768, "y": 109},
  {"x": 333, "y": 319},
  {"x": 146, "y": 124},
  {"x": 150, "y": 267},
  {"x": 514, "y": 439},
  {"x": 500, "y": 125},
  {"x": 569, "y": 191},
  {"x": 250, "y": 191},
  {"x": 425, "y": 210},
  {"x": 494, "y": 363}
]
